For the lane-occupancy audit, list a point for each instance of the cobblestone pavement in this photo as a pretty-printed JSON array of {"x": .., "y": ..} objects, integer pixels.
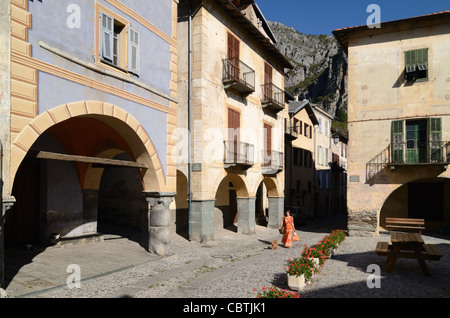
[{"x": 234, "y": 265}]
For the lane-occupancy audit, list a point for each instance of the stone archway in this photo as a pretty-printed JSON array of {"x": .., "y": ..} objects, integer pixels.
[
  {"x": 427, "y": 199},
  {"x": 124, "y": 123},
  {"x": 92, "y": 134},
  {"x": 270, "y": 201}
]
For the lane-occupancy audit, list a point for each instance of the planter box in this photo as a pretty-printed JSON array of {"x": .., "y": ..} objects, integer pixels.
[{"x": 296, "y": 282}]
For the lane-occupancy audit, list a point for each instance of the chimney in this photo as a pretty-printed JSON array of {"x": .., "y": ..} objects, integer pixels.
[{"x": 296, "y": 95}]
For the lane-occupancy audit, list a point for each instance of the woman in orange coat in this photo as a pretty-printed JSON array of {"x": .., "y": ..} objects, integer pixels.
[{"x": 288, "y": 225}]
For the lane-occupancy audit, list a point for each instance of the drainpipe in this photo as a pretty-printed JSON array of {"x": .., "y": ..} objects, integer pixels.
[{"x": 189, "y": 117}]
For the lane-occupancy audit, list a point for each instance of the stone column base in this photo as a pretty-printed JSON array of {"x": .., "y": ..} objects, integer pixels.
[
  {"x": 246, "y": 215},
  {"x": 276, "y": 212},
  {"x": 201, "y": 221},
  {"x": 159, "y": 221},
  {"x": 362, "y": 223}
]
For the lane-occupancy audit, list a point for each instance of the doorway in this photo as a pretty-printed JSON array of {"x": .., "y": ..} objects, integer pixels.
[{"x": 416, "y": 141}]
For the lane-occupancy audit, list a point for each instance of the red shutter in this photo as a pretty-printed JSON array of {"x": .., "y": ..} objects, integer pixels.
[
  {"x": 234, "y": 119},
  {"x": 233, "y": 55},
  {"x": 267, "y": 81},
  {"x": 268, "y": 144}
]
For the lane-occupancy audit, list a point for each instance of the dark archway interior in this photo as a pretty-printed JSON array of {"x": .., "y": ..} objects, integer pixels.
[
  {"x": 427, "y": 199},
  {"x": 50, "y": 194}
]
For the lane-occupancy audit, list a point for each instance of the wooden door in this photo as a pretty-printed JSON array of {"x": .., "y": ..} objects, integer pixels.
[{"x": 234, "y": 123}]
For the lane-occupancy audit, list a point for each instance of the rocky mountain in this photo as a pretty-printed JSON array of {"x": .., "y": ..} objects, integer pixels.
[{"x": 320, "y": 72}]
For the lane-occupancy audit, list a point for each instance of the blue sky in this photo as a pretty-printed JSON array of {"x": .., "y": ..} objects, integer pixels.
[{"x": 323, "y": 16}]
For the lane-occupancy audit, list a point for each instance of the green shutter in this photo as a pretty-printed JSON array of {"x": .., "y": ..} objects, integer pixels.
[
  {"x": 416, "y": 64},
  {"x": 435, "y": 139},
  {"x": 397, "y": 141}
]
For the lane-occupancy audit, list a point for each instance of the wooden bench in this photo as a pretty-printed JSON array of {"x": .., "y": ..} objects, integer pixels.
[
  {"x": 382, "y": 248},
  {"x": 405, "y": 224},
  {"x": 432, "y": 252}
]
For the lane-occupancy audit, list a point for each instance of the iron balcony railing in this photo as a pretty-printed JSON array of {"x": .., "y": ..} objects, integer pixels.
[
  {"x": 409, "y": 152},
  {"x": 272, "y": 161},
  {"x": 237, "y": 152},
  {"x": 273, "y": 96},
  {"x": 238, "y": 75}
]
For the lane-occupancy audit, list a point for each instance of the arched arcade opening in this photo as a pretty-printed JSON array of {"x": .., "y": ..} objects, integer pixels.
[{"x": 427, "y": 199}]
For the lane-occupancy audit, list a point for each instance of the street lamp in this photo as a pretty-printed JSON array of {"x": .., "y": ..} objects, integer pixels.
[{"x": 335, "y": 138}]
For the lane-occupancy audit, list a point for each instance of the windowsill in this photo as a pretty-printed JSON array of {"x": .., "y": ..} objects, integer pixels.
[
  {"x": 102, "y": 60},
  {"x": 411, "y": 83}
]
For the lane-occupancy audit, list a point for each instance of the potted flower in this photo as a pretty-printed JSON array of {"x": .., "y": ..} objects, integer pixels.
[
  {"x": 299, "y": 272},
  {"x": 274, "y": 292},
  {"x": 329, "y": 244},
  {"x": 316, "y": 255},
  {"x": 338, "y": 235}
]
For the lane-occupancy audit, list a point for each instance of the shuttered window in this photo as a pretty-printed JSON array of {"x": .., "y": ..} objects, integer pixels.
[
  {"x": 416, "y": 65},
  {"x": 107, "y": 36},
  {"x": 133, "y": 51},
  {"x": 120, "y": 44},
  {"x": 435, "y": 139},
  {"x": 397, "y": 141}
]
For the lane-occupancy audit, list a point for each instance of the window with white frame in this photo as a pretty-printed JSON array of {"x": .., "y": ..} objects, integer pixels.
[{"x": 120, "y": 44}]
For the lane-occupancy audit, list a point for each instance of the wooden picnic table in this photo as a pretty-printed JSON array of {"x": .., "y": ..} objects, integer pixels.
[{"x": 408, "y": 245}]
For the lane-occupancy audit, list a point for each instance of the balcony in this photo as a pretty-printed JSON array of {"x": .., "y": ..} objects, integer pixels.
[
  {"x": 412, "y": 153},
  {"x": 238, "y": 76},
  {"x": 290, "y": 131},
  {"x": 239, "y": 153},
  {"x": 273, "y": 97},
  {"x": 272, "y": 162}
]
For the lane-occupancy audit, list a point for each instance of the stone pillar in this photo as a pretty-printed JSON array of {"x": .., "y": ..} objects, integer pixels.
[
  {"x": 5, "y": 205},
  {"x": 90, "y": 209},
  {"x": 246, "y": 215},
  {"x": 201, "y": 221},
  {"x": 276, "y": 212},
  {"x": 158, "y": 216}
]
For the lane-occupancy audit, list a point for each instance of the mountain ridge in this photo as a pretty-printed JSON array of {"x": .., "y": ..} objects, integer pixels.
[{"x": 320, "y": 73}]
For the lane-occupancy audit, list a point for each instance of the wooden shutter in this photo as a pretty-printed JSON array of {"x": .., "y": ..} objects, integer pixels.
[
  {"x": 397, "y": 141},
  {"x": 435, "y": 139},
  {"x": 233, "y": 46},
  {"x": 107, "y": 34},
  {"x": 133, "y": 51},
  {"x": 267, "y": 73},
  {"x": 234, "y": 119},
  {"x": 233, "y": 56},
  {"x": 268, "y": 144}
]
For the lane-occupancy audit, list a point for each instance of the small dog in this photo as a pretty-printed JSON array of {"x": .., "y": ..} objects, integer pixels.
[{"x": 274, "y": 244}]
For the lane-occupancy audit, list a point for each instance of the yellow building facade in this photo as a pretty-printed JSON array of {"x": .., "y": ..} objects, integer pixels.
[
  {"x": 399, "y": 122},
  {"x": 230, "y": 119},
  {"x": 300, "y": 139}
]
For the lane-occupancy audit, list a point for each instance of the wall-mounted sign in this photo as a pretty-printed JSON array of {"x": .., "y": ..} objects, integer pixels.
[
  {"x": 354, "y": 178},
  {"x": 196, "y": 167}
]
